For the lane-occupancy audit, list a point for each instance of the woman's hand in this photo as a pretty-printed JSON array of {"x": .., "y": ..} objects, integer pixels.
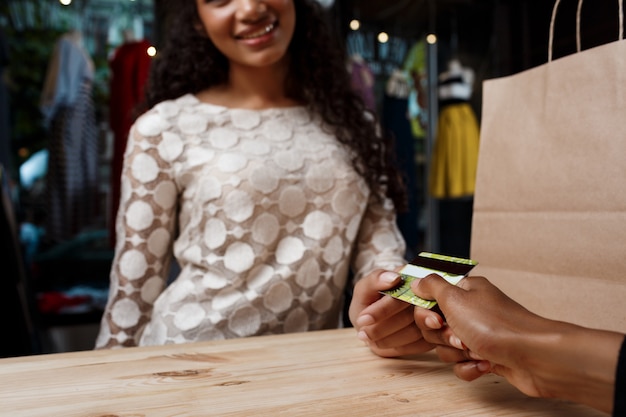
[{"x": 387, "y": 325}]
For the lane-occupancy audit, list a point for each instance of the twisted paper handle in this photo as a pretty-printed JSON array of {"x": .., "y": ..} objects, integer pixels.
[{"x": 578, "y": 12}]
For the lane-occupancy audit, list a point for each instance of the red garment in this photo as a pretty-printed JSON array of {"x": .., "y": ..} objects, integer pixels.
[
  {"x": 54, "y": 302},
  {"x": 130, "y": 66}
]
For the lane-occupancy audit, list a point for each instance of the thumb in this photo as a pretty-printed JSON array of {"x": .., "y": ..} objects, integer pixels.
[
  {"x": 430, "y": 287},
  {"x": 386, "y": 280},
  {"x": 366, "y": 290},
  {"x": 378, "y": 280}
]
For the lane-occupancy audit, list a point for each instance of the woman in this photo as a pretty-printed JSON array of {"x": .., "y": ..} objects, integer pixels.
[{"x": 259, "y": 170}]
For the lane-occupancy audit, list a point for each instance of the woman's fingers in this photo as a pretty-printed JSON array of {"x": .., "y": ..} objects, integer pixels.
[
  {"x": 367, "y": 291},
  {"x": 388, "y": 314},
  {"x": 414, "y": 348}
]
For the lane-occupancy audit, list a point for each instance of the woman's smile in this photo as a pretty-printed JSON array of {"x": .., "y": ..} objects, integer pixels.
[
  {"x": 257, "y": 33},
  {"x": 250, "y": 33}
]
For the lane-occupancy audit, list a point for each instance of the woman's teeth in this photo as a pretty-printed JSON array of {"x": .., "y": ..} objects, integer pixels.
[{"x": 261, "y": 32}]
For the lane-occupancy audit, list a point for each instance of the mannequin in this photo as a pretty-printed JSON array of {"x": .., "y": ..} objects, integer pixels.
[
  {"x": 128, "y": 35},
  {"x": 69, "y": 114},
  {"x": 456, "y": 83},
  {"x": 455, "y": 158}
]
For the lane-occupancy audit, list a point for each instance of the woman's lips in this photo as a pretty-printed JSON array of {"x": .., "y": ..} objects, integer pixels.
[{"x": 258, "y": 33}]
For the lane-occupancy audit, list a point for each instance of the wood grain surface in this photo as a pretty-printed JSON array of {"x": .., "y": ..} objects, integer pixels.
[{"x": 325, "y": 373}]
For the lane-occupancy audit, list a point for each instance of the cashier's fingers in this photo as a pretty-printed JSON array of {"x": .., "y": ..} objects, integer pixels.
[
  {"x": 427, "y": 319},
  {"x": 434, "y": 287},
  {"x": 467, "y": 365},
  {"x": 434, "y": 329},
  {"x": 452, "y": 355},
  {"x": 471, "y": 370}
]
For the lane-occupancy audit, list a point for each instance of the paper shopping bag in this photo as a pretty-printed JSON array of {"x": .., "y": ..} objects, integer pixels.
[{"x": 549, "y": 222}]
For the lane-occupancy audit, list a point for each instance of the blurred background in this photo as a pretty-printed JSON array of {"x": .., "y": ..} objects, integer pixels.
[{"x": 408, "y": 58}]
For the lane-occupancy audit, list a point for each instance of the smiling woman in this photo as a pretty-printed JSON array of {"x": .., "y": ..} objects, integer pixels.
[
  {"x": 259, "y": 169},
  {"x": 252, "y": 35}
]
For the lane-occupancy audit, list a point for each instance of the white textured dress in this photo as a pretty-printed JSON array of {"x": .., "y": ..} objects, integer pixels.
[{"x": 264, "y": 214}]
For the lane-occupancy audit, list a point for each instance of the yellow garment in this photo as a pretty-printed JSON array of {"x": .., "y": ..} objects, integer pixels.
[{"x": 455, "y": 154}]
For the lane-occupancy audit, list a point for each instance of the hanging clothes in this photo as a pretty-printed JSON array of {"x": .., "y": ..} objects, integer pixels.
[
  {"x": 396, "y": 119},
  {"x": 67, "y": 106},
  {"x": 455, "y": 153},
  {"x": 362, "y": 80},
  {"x": 415, "y": 65},
  {"x": 130, "y": 65}
]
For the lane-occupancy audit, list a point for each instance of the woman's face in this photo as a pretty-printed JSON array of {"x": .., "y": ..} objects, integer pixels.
[{"x": 254, "y": 33}]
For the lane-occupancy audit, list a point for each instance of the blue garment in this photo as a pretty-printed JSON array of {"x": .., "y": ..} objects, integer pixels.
[{"x": 69, "y": 68}]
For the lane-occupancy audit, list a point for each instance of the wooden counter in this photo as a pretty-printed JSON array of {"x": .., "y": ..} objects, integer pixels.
[{"x": 327, "y": 373}]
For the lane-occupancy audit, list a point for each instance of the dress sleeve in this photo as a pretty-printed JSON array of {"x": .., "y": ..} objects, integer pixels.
[
  {"x": 619, "y": 405},
  {"x": 380, "y": 244},
  {"x": 145, "y": 228}
]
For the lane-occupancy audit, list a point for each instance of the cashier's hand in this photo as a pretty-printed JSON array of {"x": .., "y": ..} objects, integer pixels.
[
  {"x": 541, "y": 357},
  {"x": 483, "y": 331},
  {"x": 384, "y": 323}
]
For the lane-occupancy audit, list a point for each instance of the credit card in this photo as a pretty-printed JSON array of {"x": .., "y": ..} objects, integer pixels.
[{"x": 451, "y": 268}]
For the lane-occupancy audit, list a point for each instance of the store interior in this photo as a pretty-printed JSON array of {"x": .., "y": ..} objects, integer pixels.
[{"x": 60, "y": 256}]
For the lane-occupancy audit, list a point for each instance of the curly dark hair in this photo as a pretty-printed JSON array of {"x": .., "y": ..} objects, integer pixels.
[{"x": 190, "y": 63}]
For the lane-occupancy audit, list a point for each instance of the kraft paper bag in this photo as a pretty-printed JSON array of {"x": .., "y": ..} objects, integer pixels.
[{"x": 549, "y": 222}]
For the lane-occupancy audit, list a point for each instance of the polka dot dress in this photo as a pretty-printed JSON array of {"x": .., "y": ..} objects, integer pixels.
[{"x": 264, "y": 214}]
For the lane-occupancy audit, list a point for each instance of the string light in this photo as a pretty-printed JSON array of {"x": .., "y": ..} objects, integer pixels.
[
  {"x": 383, "y": 37},
  {"x": 355, "y": 24},
  {"x": 151, "y": 51},
  {"x": 65, "y": 2},
  {"x": 431, "y": 39}
]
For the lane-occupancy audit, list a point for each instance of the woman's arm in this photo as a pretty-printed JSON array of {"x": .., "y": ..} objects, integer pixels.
[
  {"x": 385, "y": 324},
  {"x": 145, "y": 230}
]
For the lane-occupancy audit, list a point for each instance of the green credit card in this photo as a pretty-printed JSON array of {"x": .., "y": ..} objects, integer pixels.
[{"x": 451, "y": 268}]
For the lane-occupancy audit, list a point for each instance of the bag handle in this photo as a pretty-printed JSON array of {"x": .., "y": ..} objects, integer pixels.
[{"x": 578, "y": 13}]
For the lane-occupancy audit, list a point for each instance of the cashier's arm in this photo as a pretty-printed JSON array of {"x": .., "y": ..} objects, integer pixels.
[
  {"x": 487, "y": 332},
  {"x": 385, "y": 324}
]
